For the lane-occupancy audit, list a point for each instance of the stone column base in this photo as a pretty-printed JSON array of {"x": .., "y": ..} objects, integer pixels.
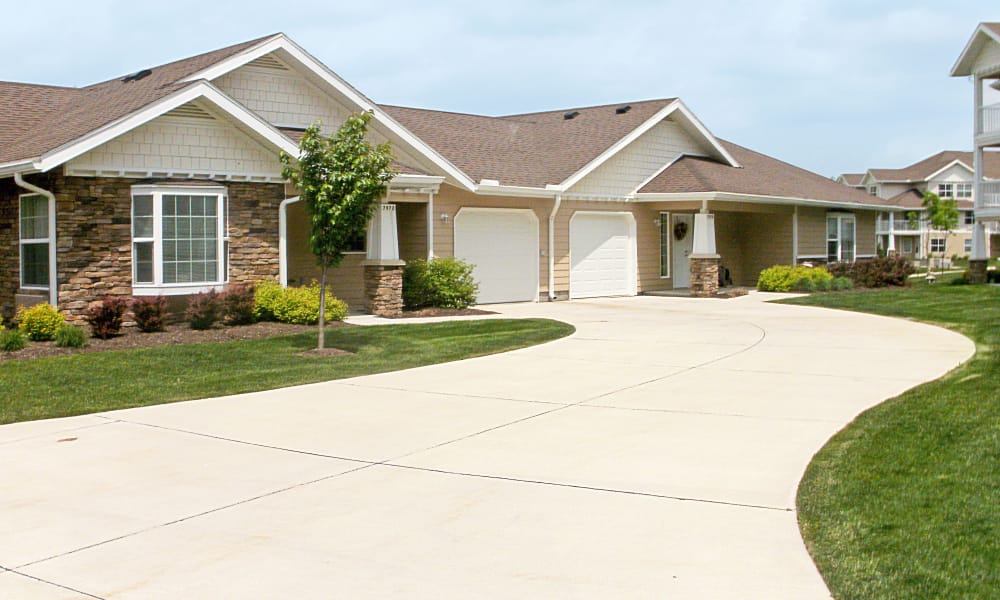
[
  {"x": 704, "y": 275},
  {"x": 977, "y": 270},
  {"x": 384, "y": 287}
]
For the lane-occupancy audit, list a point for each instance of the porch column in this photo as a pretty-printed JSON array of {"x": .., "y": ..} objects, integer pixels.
[
  {"x": 704, "y": 259},
  {"x": 383, "y": 269},
  {"x": 978, "y": 258},
  {"x": 891, "y": 247}
]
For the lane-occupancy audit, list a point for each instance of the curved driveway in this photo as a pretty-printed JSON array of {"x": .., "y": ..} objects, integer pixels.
[{"x": 653, "y": 454}]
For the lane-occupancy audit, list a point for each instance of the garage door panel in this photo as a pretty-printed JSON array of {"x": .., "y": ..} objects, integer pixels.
[
  {"x": 600, "y": 255},
  {"x": 503, "y": 246}
]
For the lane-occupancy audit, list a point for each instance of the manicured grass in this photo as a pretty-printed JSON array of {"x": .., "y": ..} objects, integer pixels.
[
  {"x": 905, "y": 501},
  {"x": 85, "y": 383}
]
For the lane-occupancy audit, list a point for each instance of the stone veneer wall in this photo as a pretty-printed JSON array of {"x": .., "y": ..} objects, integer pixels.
[{"x": 93, "y": 216}]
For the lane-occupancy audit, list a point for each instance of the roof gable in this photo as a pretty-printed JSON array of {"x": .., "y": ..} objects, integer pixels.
[{"x": 986, "y": 36}]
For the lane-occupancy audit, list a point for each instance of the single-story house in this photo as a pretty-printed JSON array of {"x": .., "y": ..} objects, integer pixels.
[{"x": 167, "y": 182}]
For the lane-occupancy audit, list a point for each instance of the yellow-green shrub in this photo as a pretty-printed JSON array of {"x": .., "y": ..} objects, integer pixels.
[
  {"x": 41, "y": 322},
  {"x": 784, "y": 278},
  {"x": 299, "y": 305}
]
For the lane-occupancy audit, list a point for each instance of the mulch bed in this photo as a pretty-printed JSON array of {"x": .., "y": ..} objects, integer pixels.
[
  {"x": 174, "y": 334},
  {"x": 443, "y": 312}
]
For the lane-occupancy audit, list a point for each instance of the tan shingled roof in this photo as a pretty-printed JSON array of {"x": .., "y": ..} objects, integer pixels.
[
  {"x": 70, "y": 113},
  {"x": 914, "y": 198},
  {"x": 923, "y": 169},
  {"x": 761, "y": 175},
  {"x": 994, "y": 27},
  {"x": 533, "y": 149},
  {"x": 852, "y": 178}
]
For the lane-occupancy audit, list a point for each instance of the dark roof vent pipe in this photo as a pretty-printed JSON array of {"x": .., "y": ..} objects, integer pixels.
[
  {"x": 137, "y": 75},
  {"x": 621, "y": 110},
  {"x": 571, "y": 115}
]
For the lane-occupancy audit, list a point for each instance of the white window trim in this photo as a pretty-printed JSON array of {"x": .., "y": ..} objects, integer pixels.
[
  {"x": 158, "y": 288},
  {"x": 665, "y": 218},
  {"x": 840, "y": 245},
  {"x": 950, "y": 186},
  {"x": 943, "y": 242},
  {"x": 967, "y": 189},
  {"x": 25, "y": 241}
]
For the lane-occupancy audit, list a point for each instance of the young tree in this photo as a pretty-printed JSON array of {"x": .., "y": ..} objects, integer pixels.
[
  {"x": 341, "y": 179},
  {"x": 942, "y": 215}
]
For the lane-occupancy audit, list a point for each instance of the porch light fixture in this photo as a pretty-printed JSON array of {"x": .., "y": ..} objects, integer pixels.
[{"x": 444, "y": 217}]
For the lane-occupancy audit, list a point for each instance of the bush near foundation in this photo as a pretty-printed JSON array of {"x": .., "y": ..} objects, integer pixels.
[
  {"x": 876, "y": 272},
  {"x": 298, "y": 305},
  {"x": 441, "y": 283},
  {"x": 71, "y": 336},
  {"x": 12, "y": 340},
  {"x": 203, "y": 310},
  {"x": 41, "y": 322},
  {"x": 105, "y": 317},
  {"x": 785, "y": 278},
  {"x": 238, "y": 305},
  {"x": 148, "y": 313}
]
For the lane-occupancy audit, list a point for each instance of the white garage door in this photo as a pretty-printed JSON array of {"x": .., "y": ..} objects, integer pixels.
[
  {"x": 601, "y": 252},
  {"x": 503, "y": 246}
]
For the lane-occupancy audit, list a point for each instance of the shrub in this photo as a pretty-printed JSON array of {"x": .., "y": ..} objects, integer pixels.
[
  {"x": 70, "y": 336},
  {"x": 299, "y": 305},
  {"x": 992, "y": 276},
  {"x": 441, "y": 282},
  {"x": 40, "y": 322},
  {"x": 804, "y": 284},
  {"x": 784, "y": 278},
  {"x": 876, "y": 272},
  {"x": 203, "y": 310},
  {"x": 12, "y": 340},
  {"x": 148, "y": 313},
  {"x": 105, "y": 317},
  {"x": 238, "y": 305},
  {"x": 840, "y": 283}
]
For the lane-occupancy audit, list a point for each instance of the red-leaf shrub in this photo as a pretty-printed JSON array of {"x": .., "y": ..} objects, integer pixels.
[
  {"x": 105, "y": 317},
  {"x": 148, "y": 313},
  {"x": 203, "y": 310},
  {"x": 875, "y": 272},
  {"x": 238, "y": 304}
]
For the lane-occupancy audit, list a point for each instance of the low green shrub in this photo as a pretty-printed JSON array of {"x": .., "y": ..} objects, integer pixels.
[
  {"x": 40, "y": 322},
  {"x": 238, "y": 305},
  {"x": 203, "y": 310},
  {"x": 299, "y": 305},
  {"x": 441, "y": 282},
  {"x": 840, "y": 284},
  {"x": 148, "y": 313},
  {"x": 105, "y": 317},
  {"x": 785, "y": 278},
  {"x": 71, "y": 336},
  {"x": 12, "y": 340}
]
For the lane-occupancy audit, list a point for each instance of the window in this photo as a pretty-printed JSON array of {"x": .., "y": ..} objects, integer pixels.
[
  {"x": 358, "y": 244},
  {"x": 970, "y": 217},
  {"x": 937, "y": 244},
  {"x": 907, "y": 245},
  {"x": 963, "y": 191},
  {"x": 873, "y": 190},
  {"x": 967, "y": 244},
  {"x": 664, "y": 244},
  {"x": 180, "y": 237},
  {"x": 945, "y": 190},
  {"x": 35, "y": 240},
  {"x": 840, "y": 237}
]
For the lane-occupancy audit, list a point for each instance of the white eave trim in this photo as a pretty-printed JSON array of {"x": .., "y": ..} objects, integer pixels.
[
  {"x": 948, "y": 166},
  {"x": 282, "y": 42},
  {"x": 202, "y": 89},
  {"x": 420, "y": 182},
  {"x": 753, "y": 199},
  {"x": 960, "y": 69},
  {"x": 516, "y": 191}
]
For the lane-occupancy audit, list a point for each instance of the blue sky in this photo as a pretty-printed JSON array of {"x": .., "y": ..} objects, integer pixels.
[{"x": 831, "y": 86}]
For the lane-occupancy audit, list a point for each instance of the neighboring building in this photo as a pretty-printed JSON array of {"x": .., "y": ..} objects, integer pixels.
[
  {"x": 948, "y": 174},
  {"x": 981, "y": 60},
  {"x": 167, "y": 182},
  {"x": 854, "y": 180}
]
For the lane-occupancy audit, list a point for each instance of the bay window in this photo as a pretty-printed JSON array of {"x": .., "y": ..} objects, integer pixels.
[
  {"x": 840, "y": 237},
  {"x": 35, "y": 238},
  {"x": 180, "y": 240}
]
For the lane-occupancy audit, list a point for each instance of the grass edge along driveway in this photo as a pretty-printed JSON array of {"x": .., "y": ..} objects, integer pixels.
[
  {"x": 902, "y": 503},
  {"x": 64, "y": 386}
]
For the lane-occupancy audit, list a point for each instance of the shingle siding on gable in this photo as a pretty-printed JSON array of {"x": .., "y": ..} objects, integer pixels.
[
  {"x": 181, "y": 145},
  {"x": 988, "y": 60},
  {"x": 652, "y": 151},
  {"x": 283, "y": 98}
]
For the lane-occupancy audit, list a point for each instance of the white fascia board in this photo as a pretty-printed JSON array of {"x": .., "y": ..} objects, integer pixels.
[
  {"x": 516, "y": 191},
  {"x": 948, "y": 166},
  {"x": 707, "y": 135},
  {"x": 201, "y": 89},
  {"x": 752, "y": 199},
  {"x": 962, "y": 68},
  {"x": 419, "y": 181},
  {"x": 22, "y": 166},
  {"x": 308, "y": 61}
]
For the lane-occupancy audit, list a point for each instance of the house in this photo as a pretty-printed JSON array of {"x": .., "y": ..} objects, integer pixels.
[
  {"x": 853, "y": 180},
  {"x": 167, "y": 182},
  {"x": 980, "y": 60},
  {"x": 949, "y": 174}
]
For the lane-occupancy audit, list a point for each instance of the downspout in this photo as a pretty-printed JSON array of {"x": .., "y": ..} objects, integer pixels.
[
  {"x": 430, "y": 225},
  {"x": 53, "y": 271},
  {"x": 795, "y": 235},
  {"x": 552, "y": 248},
  {"x": 283, "y": 239}
]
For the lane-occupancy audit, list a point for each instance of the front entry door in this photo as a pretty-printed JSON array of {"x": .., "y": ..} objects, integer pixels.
[{"x": 682, "y": 237}]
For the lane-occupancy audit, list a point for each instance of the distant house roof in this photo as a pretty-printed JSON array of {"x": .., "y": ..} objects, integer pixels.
[
  {"x": 914, "y": 198},
  {"x": 760, "y": 175},
  {"x": 852, "y": 179},
  {"x": 923, "y": 169}
]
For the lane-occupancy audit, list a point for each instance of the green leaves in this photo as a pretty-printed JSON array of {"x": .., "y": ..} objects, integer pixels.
[{"x": 941, "y": 212}]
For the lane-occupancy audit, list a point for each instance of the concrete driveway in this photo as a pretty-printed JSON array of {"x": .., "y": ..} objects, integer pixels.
[{"x": 654, "y": 454}]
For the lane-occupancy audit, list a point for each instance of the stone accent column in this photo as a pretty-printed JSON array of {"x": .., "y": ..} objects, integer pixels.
[
  {"x": 384, "y": 287},
  {"x": 977, "y": 270},
  {"x": 704, "y": 275}
]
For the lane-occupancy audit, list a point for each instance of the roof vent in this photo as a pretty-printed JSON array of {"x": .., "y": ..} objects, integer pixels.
[
  {"x": 137, "y": 75},
  {"x": 621, "y": 110},
  {"x": 571, "y": 115}
]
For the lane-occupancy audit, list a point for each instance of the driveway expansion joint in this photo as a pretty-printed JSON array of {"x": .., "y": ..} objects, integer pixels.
[{"x": 52, "y": 583}]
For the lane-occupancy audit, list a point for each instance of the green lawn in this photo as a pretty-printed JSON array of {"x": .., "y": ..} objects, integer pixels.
[
  {"x": 85, "y": 383},
  {"x": 905, "y": 501}
]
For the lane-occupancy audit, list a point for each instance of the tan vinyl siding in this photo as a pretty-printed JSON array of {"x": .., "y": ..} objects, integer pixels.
[
  {"x": 865, "y": 232},
  {"x": 346, "y": 281},
  {"x": 727, "y": 244},
  {"x": 411, "y": 225},
  {"x": 812, "y": 232},
  {"x": 766, "y": 240}
]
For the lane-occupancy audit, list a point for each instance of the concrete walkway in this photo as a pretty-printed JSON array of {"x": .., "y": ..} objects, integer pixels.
[{"x": 653, "y": 454}]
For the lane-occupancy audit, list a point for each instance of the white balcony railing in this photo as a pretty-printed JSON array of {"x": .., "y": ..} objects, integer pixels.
[
  {"x": 990, "y": 191},
  {"x": 990, "y": 119},
  {"x": 900, "y": 223}
]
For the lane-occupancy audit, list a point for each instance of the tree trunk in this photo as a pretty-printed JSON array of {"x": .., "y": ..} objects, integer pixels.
[{"x": 322, "y": 309}]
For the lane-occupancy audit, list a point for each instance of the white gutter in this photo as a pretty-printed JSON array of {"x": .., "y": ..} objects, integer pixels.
[
  {"x": 751, "y": 199},
  {"x": 53, "y": 271},
  {"x": 283, "y": 239},
  {"x": 552, "y": 247}
]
